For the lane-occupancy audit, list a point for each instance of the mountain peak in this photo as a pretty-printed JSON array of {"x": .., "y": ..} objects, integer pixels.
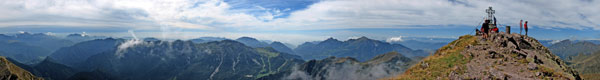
[
  {"x": 501, "y": 56},
  {"x": 363, "y": 37},
  {"x": 247, "y": 38},
  {"x": 277, "y": 42},
  {"x": 331, "y": 39}
]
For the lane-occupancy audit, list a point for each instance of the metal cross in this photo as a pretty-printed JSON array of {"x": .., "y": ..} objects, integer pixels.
[{"x": 490, "y": 12}]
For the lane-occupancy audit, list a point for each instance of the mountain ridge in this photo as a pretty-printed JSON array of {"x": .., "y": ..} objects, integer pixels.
[
  {"x": 10, "y": 71},
  {"x": 502, "y": 56},
  {"x": 361, "y": 48}
]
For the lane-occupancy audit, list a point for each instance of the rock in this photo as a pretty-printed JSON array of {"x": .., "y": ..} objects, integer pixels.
[
  {"x": 532, "y": 66},
  {"x": 424, "y": 65}
]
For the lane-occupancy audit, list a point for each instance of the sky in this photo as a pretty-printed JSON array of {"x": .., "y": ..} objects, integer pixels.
[{"x": 298, "y": 21}]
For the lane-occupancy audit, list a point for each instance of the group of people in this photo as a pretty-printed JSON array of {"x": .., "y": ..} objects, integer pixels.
[
  {"x": 521, "y": 27},
  {"x": 487, "y": 27}
]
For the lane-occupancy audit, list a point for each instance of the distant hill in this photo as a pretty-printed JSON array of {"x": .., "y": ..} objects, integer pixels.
[
  {"x": 249, "y": 41},
  {"x": 30, "y": 48},
  {"x": 420, "y": 45},
  {"x": 80, "y": 52},
  {"x": 207, "y": 39},
  {"x": 92, "y": 75},
  {"x": 347, "y": 68},
  {"x": 587, "y": 64},
  {"x": 51, "y": 70},
  {"x": 252, "y": 42},
  {"x": 568, "y": 48},
  {"x": 38, "y": 39},
  {"x": 76, "y": 37},
  {"x": 362, "y": 49},
  {"x": 583, "y": 56},
  {"x": 22, "y": 52},
  {"x": 10, "y": 71},
  {"x": 502, "y": 56},
  {"x": 281, "y": 47}
]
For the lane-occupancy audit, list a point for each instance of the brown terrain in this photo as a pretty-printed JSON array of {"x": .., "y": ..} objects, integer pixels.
[
  {"x": 10, "y": 71},
  {"x": 501, "y": 56}
]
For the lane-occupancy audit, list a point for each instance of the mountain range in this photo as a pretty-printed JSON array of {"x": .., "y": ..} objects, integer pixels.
[
  {"x": 517, "y": 56},
  {"x": 347, "y": 68},
  {"x": 224, "y": 59},
  {"x": 80, "y": 52},
  {"x": 588, "y": 65},
  {"x": 361, "y": 48},
  {"x": 30, "y": 48},
  {"x": 567, "y": 48},
  {"x": 583, "y": 56}
]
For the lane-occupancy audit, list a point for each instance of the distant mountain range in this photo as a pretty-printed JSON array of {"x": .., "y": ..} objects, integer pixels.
[
  {"x": 80, "y": 56},
  {"x": 583, "y": 56},
  {"x": 362, "y": 49},
  {"x": 207, "y": 39},
  {"x": 76, "y": 37},
  {"x": 30, "y": 48},
  {"x": 588, "y": 65},
  {"x": 80, "y": 52},
  {"x": 420, "y": 45},
  {"x": 567, "y": 48},
  {"x": 225, "y": 59},
  {"x": 347, "y": 68}
]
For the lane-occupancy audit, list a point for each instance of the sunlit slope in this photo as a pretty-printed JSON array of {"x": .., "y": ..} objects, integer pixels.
[{"x": 502, "y": 56}]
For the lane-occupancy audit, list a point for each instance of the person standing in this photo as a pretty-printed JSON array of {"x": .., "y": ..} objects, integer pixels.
[
  {"x": 525, "y": 26},
  {"x": 485, "y": 28},
  {"x": 521, "y": 26}
]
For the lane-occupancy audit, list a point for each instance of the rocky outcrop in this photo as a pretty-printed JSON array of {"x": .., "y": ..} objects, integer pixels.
[
  {"x": 501, "y": 56},
  {"x": 10, "y": 71}
]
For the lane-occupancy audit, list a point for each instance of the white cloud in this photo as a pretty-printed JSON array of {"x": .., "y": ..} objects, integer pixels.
[
  {"x": 394, "y": 39},
  {"x": 395, "y": 13},
  {"x": 217, "y": 15}
]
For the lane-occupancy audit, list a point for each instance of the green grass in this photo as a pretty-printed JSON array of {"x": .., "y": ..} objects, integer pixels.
[
  {"x": 267, "y": 53},
  {"x": 442, "y": 62},
  {"x": 549, "y": 73}
]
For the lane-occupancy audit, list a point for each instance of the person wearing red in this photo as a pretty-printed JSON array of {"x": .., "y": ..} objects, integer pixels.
[
  {"x": 525, "y": 26},
  {"x": 495, "y": 29}
]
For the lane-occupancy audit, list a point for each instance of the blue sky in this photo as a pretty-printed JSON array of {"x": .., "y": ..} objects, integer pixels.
[{"x": 296, "y": 21}]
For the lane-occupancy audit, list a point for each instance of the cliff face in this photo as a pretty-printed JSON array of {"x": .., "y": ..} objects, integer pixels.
[
  {"x": 502, "y": 56},
  {"x": 10, "y": 71}
]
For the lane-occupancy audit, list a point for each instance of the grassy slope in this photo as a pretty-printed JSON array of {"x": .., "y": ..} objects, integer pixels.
[{"x": 442, "y": 62}]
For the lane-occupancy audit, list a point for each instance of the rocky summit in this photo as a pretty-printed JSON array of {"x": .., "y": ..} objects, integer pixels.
[{"x": 501, "y": 56}]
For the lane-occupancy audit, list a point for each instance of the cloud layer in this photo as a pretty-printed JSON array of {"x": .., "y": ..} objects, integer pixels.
[{"x": 233, "y": 16}]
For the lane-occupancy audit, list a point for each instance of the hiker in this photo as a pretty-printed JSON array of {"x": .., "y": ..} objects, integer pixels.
[
  {"x": 525, "y": 26},
  {"x": 521, "y": 26},
  {"x": 495, "y": 27},
  {"x": 485, "y": 28}
]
